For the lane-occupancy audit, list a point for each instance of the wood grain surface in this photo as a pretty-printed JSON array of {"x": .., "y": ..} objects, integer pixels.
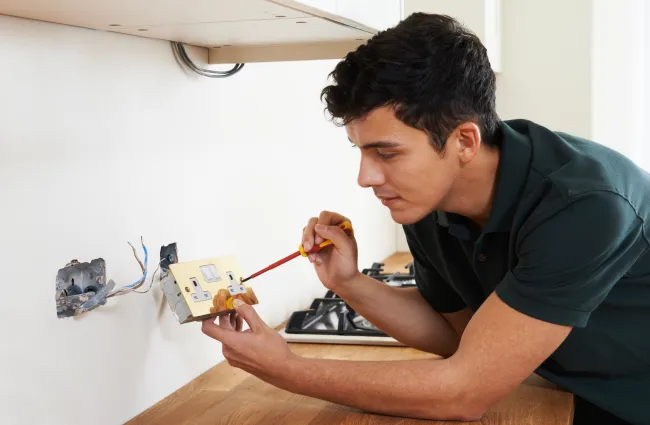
[
  {"x": 397, "y": 262},
  {"x": 226, "y": 395}
]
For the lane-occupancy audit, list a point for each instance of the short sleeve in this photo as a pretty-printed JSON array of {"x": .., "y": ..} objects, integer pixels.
[
  {"x": 569, "y": 260},
  {"x": 435, "y": 290}
]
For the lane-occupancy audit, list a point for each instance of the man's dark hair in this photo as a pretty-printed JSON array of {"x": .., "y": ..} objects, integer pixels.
[{"x": 434, "y": 73}]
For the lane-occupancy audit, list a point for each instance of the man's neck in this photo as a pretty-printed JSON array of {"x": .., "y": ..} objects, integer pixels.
[{"x": 473, "y": 193}]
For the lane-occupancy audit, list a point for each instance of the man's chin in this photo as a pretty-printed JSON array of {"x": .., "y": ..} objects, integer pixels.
[{"x": 405, "y": 216}]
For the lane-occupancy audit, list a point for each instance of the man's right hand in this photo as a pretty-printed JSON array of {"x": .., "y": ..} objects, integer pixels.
[
  {"x": 400, "y": 312},
  {"x": 335, "y": 265}
]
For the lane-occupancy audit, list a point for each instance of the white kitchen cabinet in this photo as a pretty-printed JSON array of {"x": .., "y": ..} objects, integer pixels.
[
  {"x": 234, "y": 31},
  {"x": 377, "y": 14},
  {"x": 260, "y": 30},
  {"x": 330, "y": 6},
  {"x": 483, "y": 17},
  {"x": 374, "y": 14}
]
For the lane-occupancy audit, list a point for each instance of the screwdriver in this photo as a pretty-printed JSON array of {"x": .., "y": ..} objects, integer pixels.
[{"x": 346, "y": 226}]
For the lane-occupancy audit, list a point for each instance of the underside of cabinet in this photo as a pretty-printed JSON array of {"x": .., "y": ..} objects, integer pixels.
[{"x": 234, "y": 31}]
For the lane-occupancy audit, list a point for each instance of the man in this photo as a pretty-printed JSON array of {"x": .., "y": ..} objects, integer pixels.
[{"x": 530, "y": 246}]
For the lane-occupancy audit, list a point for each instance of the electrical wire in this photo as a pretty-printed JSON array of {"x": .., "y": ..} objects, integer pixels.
[
  {"x": 135, "y": 254},
  {"x": 128, "y": 288},
  {"x": 152, "y": 279},
  {"x": 144, "y": 268},
  {"x": 182, "y": 57}
]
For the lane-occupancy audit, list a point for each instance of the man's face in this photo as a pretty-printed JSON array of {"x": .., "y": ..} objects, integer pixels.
[{"x": 401, "y": 166}]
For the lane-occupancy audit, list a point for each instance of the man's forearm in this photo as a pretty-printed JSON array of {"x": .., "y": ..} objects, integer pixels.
[
  {"x": 401, "y": 313},
  {"x": 426, "y": 389}
]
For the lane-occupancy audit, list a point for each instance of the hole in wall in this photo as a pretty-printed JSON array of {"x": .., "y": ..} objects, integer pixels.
[{"x": 81, "y": 287}]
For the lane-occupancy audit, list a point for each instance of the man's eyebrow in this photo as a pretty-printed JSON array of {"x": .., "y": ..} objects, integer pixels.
[{"x": 378, "y": 144}]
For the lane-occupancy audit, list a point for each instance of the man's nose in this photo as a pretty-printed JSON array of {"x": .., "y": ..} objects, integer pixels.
[{"x": 370, "y": 174}]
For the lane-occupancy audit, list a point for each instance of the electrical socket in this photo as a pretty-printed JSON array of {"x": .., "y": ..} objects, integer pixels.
[{"x": 195, "y": 290}]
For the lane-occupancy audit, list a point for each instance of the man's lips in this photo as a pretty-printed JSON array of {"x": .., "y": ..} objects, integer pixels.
[{"x": 387, "y": 201}]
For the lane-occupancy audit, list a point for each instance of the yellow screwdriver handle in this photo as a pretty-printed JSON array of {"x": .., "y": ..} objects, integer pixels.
[{"x": 346, "y": 225}]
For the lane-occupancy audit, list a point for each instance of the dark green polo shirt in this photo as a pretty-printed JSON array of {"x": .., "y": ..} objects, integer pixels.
[{"x": 567, "y": 242}]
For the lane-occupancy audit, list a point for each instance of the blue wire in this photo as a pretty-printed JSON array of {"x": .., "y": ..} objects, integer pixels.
[
  {"x": 144, "y": 276},
  {"x": 142, "y": 279}
]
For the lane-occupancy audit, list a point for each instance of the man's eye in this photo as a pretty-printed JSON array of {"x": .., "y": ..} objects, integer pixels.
[{"x": 385, "y": 155}]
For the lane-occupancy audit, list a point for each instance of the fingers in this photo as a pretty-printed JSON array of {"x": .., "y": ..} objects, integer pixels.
[
  {"x": 309, "y": 234},
  {"x": 329, "y": 218},
  {"x": 225, "y": 322},
  {"x": 232, "y": 321},
  {"x": 239, "y": 323},
  {"x": 217, "y": 332},
  {"x": 339, "y": 238},
  {"x": 315, "y": 258},
  {"x": 249, "y": 314}
]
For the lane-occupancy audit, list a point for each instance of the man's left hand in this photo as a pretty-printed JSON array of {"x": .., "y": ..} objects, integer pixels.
[{"x": 259, "y": 350}]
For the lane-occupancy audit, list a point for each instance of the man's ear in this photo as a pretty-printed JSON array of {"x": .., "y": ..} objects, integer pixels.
[{"x": 467, "y": 137}]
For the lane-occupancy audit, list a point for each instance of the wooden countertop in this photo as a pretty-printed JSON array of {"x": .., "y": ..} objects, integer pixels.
[{"x": 226, "y": 395}]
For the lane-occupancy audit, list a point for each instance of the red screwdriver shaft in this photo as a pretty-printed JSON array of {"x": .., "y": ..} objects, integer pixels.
[
  {"x": 346, "y": 225},
  {"x": 272, "y": 266}
]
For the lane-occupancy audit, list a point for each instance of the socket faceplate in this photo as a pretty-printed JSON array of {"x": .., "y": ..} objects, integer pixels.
[{"x": 200, "y": 289}]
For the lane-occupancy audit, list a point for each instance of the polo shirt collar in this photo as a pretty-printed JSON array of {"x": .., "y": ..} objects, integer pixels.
[
  {"x": 456, "y": 225},
  {"x": 512, "y": 173}
]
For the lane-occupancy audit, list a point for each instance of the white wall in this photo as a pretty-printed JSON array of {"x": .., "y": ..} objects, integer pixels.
[
  {"x": 103, "y": 139},
  {"x": 547, "y": 63},
  {"x": 644, "y": 149},
  {"x": 576, "y": 66},
  {"x": 618, "y": 75}
]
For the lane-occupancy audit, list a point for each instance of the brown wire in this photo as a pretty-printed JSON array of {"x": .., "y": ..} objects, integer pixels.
[
  {"x": 152, "y": 279},
  {"x": 123, "y": 291}
]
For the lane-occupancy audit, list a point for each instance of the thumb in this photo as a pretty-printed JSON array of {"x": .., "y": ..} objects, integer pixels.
[
  {"x": 337, "y": 235},
  {"x": 248, "y": 313}
]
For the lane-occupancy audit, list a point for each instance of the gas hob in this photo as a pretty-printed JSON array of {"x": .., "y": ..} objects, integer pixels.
[{"x": 330, "y": 320}]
